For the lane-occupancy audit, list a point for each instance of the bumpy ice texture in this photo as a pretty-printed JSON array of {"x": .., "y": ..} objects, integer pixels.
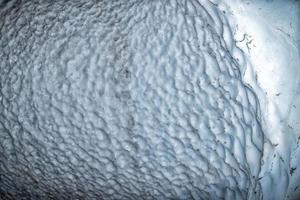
[{"x": 124, "y": 100}]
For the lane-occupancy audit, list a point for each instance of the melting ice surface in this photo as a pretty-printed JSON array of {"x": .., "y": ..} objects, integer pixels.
[{"x": 148, "y": 100}]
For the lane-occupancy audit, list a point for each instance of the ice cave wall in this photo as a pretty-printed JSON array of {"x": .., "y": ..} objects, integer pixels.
[{"x": 129, "y": 100}]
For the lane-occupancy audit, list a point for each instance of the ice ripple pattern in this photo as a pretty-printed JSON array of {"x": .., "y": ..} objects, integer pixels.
[{"x": 124, "y": 100}]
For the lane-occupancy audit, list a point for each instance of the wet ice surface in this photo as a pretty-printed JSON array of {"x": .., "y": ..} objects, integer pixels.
[{"x": 137, "y": 100}]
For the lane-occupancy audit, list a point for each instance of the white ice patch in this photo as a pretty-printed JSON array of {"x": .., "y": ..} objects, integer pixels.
[{"x": 268, "y": 32}]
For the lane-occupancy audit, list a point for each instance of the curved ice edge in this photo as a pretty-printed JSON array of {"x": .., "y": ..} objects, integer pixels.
[{"x": 246, "y": 135}]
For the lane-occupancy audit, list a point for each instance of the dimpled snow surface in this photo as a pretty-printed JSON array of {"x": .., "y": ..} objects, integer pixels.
[{"x": 127, "y": 99}]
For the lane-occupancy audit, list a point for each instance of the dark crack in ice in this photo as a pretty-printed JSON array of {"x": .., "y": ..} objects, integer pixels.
[{"x": 124, "y": 100}]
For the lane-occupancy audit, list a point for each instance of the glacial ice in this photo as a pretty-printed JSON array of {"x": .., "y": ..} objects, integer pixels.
[{"x": 136, "y": 99}]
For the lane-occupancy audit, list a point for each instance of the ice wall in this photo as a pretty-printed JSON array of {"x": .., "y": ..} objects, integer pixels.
[
  {"x": 126, "y": 100},
  {"x": 268, "y": 32}
]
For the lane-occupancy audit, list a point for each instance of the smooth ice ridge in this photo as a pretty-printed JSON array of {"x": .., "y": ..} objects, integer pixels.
[{"x": 125, "y": 100}]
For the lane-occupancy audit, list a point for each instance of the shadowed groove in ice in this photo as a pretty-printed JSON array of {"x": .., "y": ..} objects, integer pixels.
[{"x": 125, "y": 100}]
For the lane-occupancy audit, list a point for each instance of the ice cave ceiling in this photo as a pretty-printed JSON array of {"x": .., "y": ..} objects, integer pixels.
[{"x": 150, "y": 99}]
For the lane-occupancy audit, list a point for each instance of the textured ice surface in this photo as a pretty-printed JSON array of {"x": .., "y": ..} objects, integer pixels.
[
  {"x": 268, "y": 32},
  {"x": 125, "y": 100}
]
